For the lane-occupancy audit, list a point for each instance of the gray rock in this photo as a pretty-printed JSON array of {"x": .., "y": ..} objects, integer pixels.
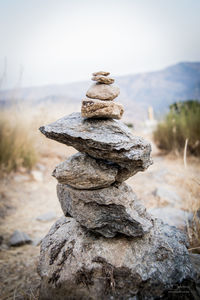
[
  {"x": 49, "y": 216},
  {"x": 75, "y": 264},
  {"x": 84, "y": 172},
  {"x": 103, "y": 91},
  {"x": 172, "y": 216},
  {"x": 19, "y": 238},
  {"x": 93, "y": 108},
  {"x": 106, "y": 211},
  {"x": 103, "y": 79},
  {"x": 105, "y": 139},
  {"x": 168, "y": 194}
]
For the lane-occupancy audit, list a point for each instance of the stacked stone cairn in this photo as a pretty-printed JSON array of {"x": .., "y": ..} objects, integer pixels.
[
  {"x": 102, "y": 94},
  {"x": 106, "y": 246}
]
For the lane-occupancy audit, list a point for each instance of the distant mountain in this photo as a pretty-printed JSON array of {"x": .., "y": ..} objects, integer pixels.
[
  {"x": 161, "y": 88},
  {"x": 158, "y": 89}
]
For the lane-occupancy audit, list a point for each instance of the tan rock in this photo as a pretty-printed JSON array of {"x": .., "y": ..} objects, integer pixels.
[
  {"x": 93, "y": 108},
  {"x": 104, "y": 73},
  {"x": 103, "y": 79},
  {"x": 103, "y": 92}
]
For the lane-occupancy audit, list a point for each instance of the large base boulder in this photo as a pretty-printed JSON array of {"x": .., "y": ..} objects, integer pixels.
[{"x": 75, "y": 264}]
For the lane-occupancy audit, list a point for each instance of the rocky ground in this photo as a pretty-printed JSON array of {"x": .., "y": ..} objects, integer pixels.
[{"x": 29, "y": 204}]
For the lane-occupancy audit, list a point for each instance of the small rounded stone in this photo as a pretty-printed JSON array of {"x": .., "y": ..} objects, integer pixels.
[
  {"x": 104, "y": 73},
  {"x": 103, "y": 92},
  {"x": 103, "y": 79}
]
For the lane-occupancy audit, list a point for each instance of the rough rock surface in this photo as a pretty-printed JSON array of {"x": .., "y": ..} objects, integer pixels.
[
  {"x": 75, "y": 264},
  {"x": 105, "y": 139},
  {"x": 103, "y": 91},
  {"x": 106, "y": 211},
  {"x": 103, "y": 79},
  {"x": 84, "y": 172},
  {"x": 92, "y": 108},
  {"x": 104, "y": 73}
]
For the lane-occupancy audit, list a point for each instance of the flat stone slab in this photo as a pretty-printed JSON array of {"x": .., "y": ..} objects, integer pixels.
[
  {"x": 83, "y": 266},
  {"x": 106, "y": 211},
  {"x": 103, "y": 79},
  {"x": 93, "y": 108},
  {"x": 19, "y": 238},
  {"x": 105, "y": 139},
  {"x": 81, "y": 171},
  {"x": 103, "y": 91}
]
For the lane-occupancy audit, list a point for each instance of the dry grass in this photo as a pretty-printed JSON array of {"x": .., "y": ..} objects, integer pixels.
[
  {"x": 19, "y": 278},
  {"x": 193, "y": 203},
  {"x": 180, "y": 131},
  {"x": 17, "y": 142},
  {"x": 21, "y": 143},
  {"x": 180, "y": 124},
  {"x": 188, "y": 179}
]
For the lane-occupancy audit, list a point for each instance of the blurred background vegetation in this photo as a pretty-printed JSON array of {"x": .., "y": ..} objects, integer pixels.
[
  {"x": 17, "y": 141},
  {"x": 180, "y": 124}
]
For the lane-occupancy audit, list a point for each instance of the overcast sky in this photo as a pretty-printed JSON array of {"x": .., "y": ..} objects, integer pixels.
[{"x": 46, "y": 41}]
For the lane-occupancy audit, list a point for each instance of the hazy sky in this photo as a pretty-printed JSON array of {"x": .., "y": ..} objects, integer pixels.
[{"x": 46, "y": 41}]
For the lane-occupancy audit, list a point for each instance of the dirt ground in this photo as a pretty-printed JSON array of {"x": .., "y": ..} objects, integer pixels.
[{"x": 23, "y": 199}]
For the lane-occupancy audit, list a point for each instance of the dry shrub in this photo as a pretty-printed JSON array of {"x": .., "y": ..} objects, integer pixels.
[
  {"x": 190, "y": 183},
  {"x": 180, "y": 124},
  {"x": 21, "y": 143},
  {"x": 17, "y": 142},
  {"x": 193, "y": 227}
]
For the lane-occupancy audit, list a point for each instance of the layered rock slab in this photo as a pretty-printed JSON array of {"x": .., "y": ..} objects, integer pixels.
[
  {"x": 75, "y": 264},
  {"x": 105, "y": 139},
  {"x": 103, "y": 91},
  {"x": 84, "y": 172},
  {"x": 107, "y": 211}
]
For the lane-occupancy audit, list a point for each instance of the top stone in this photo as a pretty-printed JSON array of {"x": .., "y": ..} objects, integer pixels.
[{"x": 101, "y": 73}]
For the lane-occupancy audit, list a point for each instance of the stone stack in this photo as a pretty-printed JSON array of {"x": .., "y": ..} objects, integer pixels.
[
  {"x": 107, "y": 246},
  {"x": 101, "y": 95}
]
